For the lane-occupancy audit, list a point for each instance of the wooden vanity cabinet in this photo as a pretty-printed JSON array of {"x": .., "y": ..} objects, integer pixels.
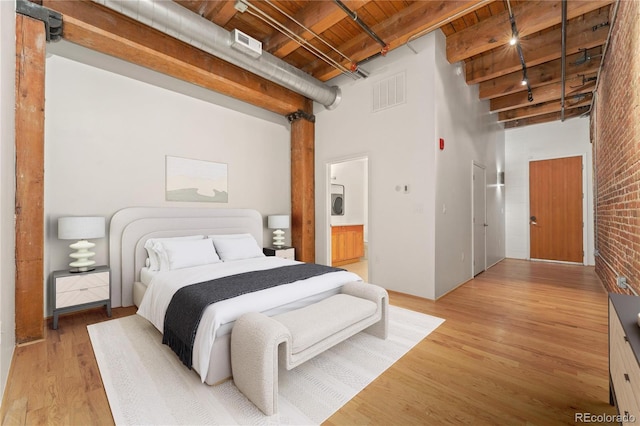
[{"x": 347, "y": 244}]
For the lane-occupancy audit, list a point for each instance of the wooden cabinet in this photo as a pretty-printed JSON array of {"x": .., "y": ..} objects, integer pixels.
[
  {"x": 347, "y": 244},
  {"x": 82, "y": 290},
  {"x": 624, "y": 356}
]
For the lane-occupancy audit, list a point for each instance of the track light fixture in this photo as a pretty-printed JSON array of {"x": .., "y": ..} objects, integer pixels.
[{"x": 516, "y": 42}]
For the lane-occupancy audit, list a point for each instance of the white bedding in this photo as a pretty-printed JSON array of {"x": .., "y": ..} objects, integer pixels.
[{"x": 164, "y": 284}]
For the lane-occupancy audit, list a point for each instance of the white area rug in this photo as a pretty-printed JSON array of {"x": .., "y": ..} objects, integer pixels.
[{"x": 147, "y": 384}]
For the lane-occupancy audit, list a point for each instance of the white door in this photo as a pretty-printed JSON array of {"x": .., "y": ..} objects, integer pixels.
[{"x": 479, "y": 220}]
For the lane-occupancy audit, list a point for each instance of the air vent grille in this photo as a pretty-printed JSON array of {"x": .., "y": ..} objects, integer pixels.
[{"x": 389, "y": 92}]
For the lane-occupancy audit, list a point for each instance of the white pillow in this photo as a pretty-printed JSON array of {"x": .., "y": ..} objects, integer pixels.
[
  {"x": 186, "y": 253},
  {"x": 154, "y": 258},
  {"x": 236, "y": 246}
]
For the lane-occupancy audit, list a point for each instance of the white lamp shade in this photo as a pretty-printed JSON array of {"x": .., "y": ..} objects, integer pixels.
[
  {"x": 278, "y": 221},
  {"x": 80, "y": 227}
]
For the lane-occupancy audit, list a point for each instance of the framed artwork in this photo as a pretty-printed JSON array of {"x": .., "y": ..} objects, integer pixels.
[{"x": 196, "y": 180}]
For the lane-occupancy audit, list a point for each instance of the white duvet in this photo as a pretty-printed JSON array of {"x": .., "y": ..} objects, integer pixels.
[{"x": 164, "y": 284}]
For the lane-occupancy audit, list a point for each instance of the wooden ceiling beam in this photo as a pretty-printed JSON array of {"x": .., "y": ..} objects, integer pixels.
[
  {"x": 530, "y": 16},
  {"x": 540, "y": 49},
  {"x": 547, "y": 118},
  {"x": 546, "y": 73},
  {"x": 544, "y": 108},
  {"x": 318, "y": 17},
  {"x": 549, "y": 92},
  {"x": 95, "y": 27},
  {"x": 418, "y": 17}
]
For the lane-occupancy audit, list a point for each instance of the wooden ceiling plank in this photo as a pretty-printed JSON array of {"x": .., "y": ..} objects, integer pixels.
[
  {"x": 544, "y": 108},
  {"x": 537, "y": 50},
  {"x": 319, "y": 16},
  {"x": 546, "y": 73},
  {"x": 414, "y": 19},
  {"x": 530, "y": 17},
  {"x": 546, "y": 118},
  {"x": 100, "y": 29},
  {"x": 549, "y": 92},
  {"x": 220, "y": 12}
]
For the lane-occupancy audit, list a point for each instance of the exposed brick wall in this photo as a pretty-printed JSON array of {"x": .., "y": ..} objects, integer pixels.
[{"x": 615, "y": 124}]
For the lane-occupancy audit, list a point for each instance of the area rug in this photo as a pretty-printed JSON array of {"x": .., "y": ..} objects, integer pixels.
[{"x": 146, "y": 384}]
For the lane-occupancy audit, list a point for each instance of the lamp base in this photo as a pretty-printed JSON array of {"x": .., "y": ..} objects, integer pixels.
[
  {"x": 278, "y": 238},
  {"x": 82, "y": 255}
]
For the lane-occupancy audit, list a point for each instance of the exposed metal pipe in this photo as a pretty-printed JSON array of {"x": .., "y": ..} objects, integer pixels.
[
  {"x": 563, "y": 59},
  {"x": 365, "y": 27},
  {"x": 612, "y": 22},
  {"x": 178, "y": 22}
]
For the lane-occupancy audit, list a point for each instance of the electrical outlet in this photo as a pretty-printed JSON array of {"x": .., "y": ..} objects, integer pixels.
[{"x": 622, "y": 282}]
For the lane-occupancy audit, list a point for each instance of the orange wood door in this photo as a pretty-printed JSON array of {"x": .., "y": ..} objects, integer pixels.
[{"x": 555, "y": 199}]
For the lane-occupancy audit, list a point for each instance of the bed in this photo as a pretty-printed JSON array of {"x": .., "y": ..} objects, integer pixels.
[{"x": 134, "y": 282}]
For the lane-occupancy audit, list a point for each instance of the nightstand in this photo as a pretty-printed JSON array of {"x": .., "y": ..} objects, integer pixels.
[
  {"x": 74, "y": 291},
  {"x": 283, "y": 252}
]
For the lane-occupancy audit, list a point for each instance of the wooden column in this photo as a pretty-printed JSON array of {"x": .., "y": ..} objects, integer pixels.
[
  {"x": 303, "y": 221},
  {"x": 30, "y": 67}
]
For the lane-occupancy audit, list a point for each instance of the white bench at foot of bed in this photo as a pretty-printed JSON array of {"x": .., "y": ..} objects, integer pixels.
[{"x": 256, "y": 339}]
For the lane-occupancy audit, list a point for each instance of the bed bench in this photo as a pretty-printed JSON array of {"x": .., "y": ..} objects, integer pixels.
[{"x": 258, "y": 341}]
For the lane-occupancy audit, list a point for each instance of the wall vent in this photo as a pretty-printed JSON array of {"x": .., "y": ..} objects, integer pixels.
[
  {"x": 246, "y": 44},
  {"x": 389, "y": 92}
]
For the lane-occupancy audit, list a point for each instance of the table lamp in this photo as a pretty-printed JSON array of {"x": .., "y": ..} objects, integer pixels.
[
  {"x": 81, "y": 228},
  {"x": 278, "y": 222}
]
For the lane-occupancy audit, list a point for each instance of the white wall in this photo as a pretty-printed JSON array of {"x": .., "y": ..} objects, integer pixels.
[
  {"x": 471, "y": 134},
  {"x": 107, "y": 137},
  {"x": 401, "y": 144},
  {"x": 7, "y": 190},
  {"x": 394, "y": 140},
  {"x": 542, "y": 142}
]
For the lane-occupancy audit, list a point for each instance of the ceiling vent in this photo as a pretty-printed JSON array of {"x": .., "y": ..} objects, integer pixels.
[
  {"x": 246, "y": 44},
  {"x": 389, "y": 92}
]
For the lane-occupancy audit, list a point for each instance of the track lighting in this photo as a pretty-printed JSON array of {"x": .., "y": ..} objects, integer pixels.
[{"x": 514, "y": 42}]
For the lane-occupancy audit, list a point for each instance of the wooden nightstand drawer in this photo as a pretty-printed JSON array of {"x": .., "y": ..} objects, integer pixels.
[
  {"x": 82, "y": 282},
  {"x": 81, "y": 296},
  {"x": 625, "y": 384},
  {"x": 624, "y": 355}
]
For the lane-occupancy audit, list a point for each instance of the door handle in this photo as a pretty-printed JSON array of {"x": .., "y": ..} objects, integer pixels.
[
  {"x": 486, "y": 224},
  {"x": 533, "y": 220}
]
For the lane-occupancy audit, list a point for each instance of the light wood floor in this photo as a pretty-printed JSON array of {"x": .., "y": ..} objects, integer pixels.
[
  {"x": 523, "y": 343},
  {"x": 361, "y": 268}
]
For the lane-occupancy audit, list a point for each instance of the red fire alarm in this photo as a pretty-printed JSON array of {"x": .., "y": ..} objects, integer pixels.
[{"x": 441, "y": 144}]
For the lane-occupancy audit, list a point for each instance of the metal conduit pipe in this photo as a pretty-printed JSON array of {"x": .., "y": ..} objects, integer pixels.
[
  {"x": 563, "y": 61},
  {"x": 179, "y": 22},
  {"x": 351, "y": 14}
]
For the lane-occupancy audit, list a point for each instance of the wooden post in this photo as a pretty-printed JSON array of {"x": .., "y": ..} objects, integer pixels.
[
  {"x": 30, "y": 73},
  {"x": 303, "y": 222}
]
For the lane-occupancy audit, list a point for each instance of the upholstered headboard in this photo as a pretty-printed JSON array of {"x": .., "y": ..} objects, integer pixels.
[{"x": 130, "y": 228}]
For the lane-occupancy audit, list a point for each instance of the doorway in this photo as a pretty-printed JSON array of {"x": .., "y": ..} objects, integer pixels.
[
  {"x": 556, "y": 210},
  {"x": 348, "y": 235},
  {"x": 479, "y": 219}
]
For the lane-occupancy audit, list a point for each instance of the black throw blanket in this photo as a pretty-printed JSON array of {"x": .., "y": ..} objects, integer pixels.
[{"x": 187, "y": 305}]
